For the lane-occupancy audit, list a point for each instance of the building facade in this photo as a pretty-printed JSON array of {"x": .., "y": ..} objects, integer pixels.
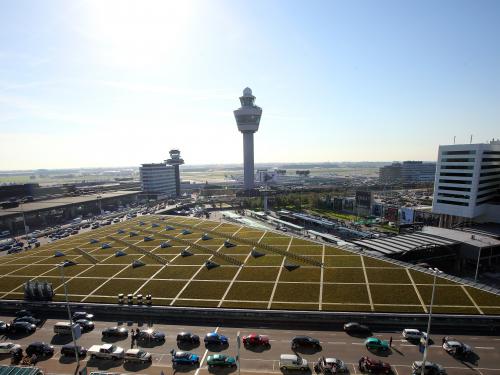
[
  {"x": 158, "y": 179},
  {"x": 467, "y": 183},
  {"x": 407, "y": 172}
]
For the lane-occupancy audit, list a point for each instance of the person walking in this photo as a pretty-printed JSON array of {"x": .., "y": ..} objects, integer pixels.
[{"x": 390, "y": 342}]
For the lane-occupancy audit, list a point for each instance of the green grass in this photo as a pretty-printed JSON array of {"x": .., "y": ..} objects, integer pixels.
[
  {"x": 143, "y": 272},
  {"x": 424, "y": 278},
  {"x": 349, "y": 294},
  {"x": 258, "y": 274},
  {"x": 250, "y": 291},
  {"x": 306, "y": 250},
  {"x": 483, "y": 298},
  {"x": 162, "y": 288},
  {"x": 33, "y": 270},
  {"x": 343, "y": 275},
  {"x": 345, "y": 307},
  {"x": 445, "y": 295},
  {"x": 7, "y": 283},
  {"x": 102, "y": 299},
  {"x": 244, "y": 305},
  {"x": 218, "y": 273},
  {"x": 177, "y": 272},
  {"x": 297, "y": 292},
  {"x": 400, "y": 294},
  {"x": 454, "y": 310},
  {"x": 266, "y": 260},
  {"x": 371, "y": 262},
  {"x": 205, "y": 290},
  {"x": 292, "y": 306},
  {"x": 334, "y": 251},
  {"x": 68, "y": 271},
  {"x": 401, "y": 308},
  {"x": 195, "y": 303},
  {"x": 397, "y": 276},
  {"x": 81, "y": 285},
  {"x": 116, "y": 286},
  {"x": 343, "y": 261},
  {"x": 191, "y": 260},
  {"x": 301, "y": 274}
]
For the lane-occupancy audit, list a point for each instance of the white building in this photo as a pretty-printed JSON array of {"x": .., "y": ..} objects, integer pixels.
[
  {"x": 467, "y": 184},
  {"x": 158, "y": 179}
]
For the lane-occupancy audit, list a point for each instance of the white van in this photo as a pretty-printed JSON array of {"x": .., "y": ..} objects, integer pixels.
[
  {"x": 64, "y": 328},
  {"x": 293, "y": 362}
]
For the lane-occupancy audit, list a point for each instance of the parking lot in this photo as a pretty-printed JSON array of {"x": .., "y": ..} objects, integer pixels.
[{"x": 334, "y": 344}]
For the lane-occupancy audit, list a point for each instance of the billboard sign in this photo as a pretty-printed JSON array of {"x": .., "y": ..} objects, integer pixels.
[{"x": 406, "y": 215}]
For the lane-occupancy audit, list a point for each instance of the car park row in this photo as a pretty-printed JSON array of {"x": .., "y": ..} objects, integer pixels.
[{"x": 186, "y": 340}]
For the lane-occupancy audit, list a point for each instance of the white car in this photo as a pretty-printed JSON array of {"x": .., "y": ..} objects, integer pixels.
[
  {"x": 8, "y": 347},
  {"x": 413, "y": 334}
]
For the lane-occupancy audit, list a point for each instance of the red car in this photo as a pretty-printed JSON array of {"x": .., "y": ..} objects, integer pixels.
[
  {"x": 367, "y": 364},
  {"x": 255, "y": 340}
]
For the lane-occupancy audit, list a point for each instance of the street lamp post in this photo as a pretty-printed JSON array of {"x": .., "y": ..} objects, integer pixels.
[
  {"x": 435, "y": 271},
  {"x": 477, "y": 265},
  {"x": 61, "y": 267}
]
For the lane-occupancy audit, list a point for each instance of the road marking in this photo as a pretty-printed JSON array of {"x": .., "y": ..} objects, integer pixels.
[
  {"x": 485, "y": 347},
  {"x": 336, "y": 342},
  {"x": 204, "y": 355},
  {"x": 357, "y": 343}
]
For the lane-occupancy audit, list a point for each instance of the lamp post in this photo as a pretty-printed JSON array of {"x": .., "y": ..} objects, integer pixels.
[
  {"x": 61, "y": 267},
  {"x": 477, "y": 265},
  {"x": 435, "y": 271}
]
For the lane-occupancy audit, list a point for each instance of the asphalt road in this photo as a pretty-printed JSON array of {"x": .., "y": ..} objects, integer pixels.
[{"x": 334, "y": 343}]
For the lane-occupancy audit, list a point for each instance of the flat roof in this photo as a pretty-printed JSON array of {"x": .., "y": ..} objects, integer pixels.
[
  {"x": 64, "y": 201},
  {"x": 473, "y": 239},
  {"x": 403, "y": 243}
]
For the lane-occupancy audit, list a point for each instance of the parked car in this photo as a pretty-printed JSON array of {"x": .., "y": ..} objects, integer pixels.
[
  {"x": 367, "y": 364},
  {"x": 221, "y": 360},
  {"x": 138, "y": 355},
  {"x": 213, "y": 338},
  {"x": 356, "y": 328},
  {"x": 77, "y": 315},
  {"x": 149, "y": 335},
  {"x": 68, "y": 350},
  {"x": 455, "y": 347},
  {"x": 121, "y": 332},
  {"x": 86, "y": 324},
  {"x": 106, "y": 351},
  {"x": 23, "y": 327},
  {"x": 374, "y": 343},
  {"x": 330, "y": 366},
  {"x": 40, "y": 349},
  {"x": 290, "y": 362},
  {"x": 412, "y": 334},
  {"x": 305, "y": 342},
  {"x": 28, "y": 319},
  {"x": 431, "y": 368},
  {"x": 184, "y": 359},
  {"x": 256, "y": 340},
  {"x": 8, "y": 347},
  {"x": 187, "y": 338}
]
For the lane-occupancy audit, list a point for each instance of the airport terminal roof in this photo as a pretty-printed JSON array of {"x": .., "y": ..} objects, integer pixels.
[
  {"x": 474, "y": 239},
  {"x": 63, "y": 201},
  {"x": 404, "y": 243}
]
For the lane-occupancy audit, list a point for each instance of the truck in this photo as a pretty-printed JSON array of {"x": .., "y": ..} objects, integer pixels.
[{"x": 106, "y": 351}]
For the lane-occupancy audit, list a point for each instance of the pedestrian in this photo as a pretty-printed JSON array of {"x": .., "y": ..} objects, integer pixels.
[
  {"x": 443, "y": 340},
  {"x": 390, "y": 342}
]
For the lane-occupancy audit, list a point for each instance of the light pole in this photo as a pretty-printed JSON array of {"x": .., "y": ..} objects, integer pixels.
[
  {"x": 435, "y": 271},
  {"x": 477, "y": 266},
  {"x": 61, "y": 267}
]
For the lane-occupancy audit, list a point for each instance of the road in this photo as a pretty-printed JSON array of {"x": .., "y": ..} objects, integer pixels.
[{"x": 334, "y": 343}]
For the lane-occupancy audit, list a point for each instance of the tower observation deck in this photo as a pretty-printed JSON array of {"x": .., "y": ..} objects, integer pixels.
[
  {"x": 176, "y": 160},
  {"x": 248, "y": 120}
]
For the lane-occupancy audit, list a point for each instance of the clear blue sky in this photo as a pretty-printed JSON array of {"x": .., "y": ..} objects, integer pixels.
[{"x": 118, "y": 83}]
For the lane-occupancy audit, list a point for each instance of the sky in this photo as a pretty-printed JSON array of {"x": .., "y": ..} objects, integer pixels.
[{"x": 119, "y": 83}]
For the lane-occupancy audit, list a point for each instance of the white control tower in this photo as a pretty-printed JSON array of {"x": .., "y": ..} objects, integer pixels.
[{"x": 248, "y": 119}]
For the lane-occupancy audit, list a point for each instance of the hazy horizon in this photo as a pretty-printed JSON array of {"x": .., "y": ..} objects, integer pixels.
[{"x": 91, "y": 82}]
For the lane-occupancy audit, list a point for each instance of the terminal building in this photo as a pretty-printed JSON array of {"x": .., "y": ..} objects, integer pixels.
[
  {"x": 467, "y": 183},
  {"x": 158, "y": 180},
  {"x": 407, "y": 172}
]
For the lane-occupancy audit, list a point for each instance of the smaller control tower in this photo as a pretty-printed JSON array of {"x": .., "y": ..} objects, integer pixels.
[
  {"x": 176, "y": 160},
  {"x": 248, "y": 120}
]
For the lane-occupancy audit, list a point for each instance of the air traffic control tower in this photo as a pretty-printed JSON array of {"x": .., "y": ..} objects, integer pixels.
[
  {"x": 176, "y": 160},
  {"x": 248, "y": 119}
]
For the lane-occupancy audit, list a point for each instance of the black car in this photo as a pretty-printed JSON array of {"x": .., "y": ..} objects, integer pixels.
[
  {"x": 82, "y": 315},
  {"x": 115, "y": 332},
  {"x": 305, "y": 342},
  {"x": 187, "y": 338},
  {"x": 4, "y": 327},
  {"x": 148, "y": 335},
  {"x": 85, "y": 324},
  {"x": 356, "y": 328},
  {"x": 24, "y": 327},
  {"x": 22, "y": 313},
  {"x": 28, "y": 319},
  {"x": 69, "y": 350},
  {"x": 40, "y": 349}
]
